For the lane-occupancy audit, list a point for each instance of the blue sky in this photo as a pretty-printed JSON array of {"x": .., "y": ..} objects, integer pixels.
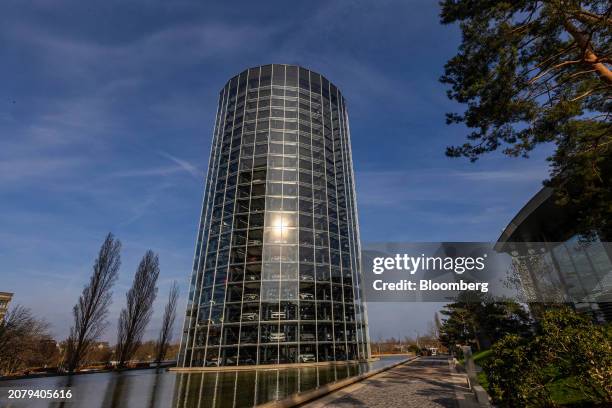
[{"x": 106, "y": 113}]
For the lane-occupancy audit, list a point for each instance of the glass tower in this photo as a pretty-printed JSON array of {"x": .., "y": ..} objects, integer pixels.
[{"x": 276, "y": 274}]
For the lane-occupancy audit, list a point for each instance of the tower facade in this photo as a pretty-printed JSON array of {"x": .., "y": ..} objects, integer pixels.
[{"x": 277, "y": 274}]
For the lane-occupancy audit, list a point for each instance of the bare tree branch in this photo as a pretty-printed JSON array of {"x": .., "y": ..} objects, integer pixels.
[
  {"x": 135, "y": 316},
  {"x": 21, "y": 340},
  {"x": 165, "y": 334},
  {"x": 556, "y": 66},
  {"x": 92, "y": 307}
]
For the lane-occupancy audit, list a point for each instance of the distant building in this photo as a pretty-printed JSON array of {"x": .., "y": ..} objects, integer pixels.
[
  {"x": 578, "y": 271},
  {"x": 100, "y": 345},
  {"x": 5, "y": 299}
]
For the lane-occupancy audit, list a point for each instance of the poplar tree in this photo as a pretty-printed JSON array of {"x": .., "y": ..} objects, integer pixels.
[
  {"x": 135, "y": 317},
  {"x": 91, "y": 310},
  {"x": 165, "y": 333}
]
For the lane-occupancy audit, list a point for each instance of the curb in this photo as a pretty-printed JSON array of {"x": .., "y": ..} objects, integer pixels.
[
  {"x": 92, "y": 371},
  {"x": 306, "y": 396},
  {"x": 267, "y": 366},
  {"x": 480, "y": 394}
]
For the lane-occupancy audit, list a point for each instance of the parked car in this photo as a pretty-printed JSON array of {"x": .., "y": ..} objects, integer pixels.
[
  {"x": 250, "y": 316},
  {"x": 251, "y": 297},
  {"x": 306, "y": 296},
  {"x": 278, "y": 315},
  {"x": 306, "y": 278},
  {"x": 307, "y": 358},
  {"x": 214, "y": 362},
  {"x": 206, "y": 322},
  {"x": 246, "y": 361},
  {"x": 241, "y": 361},
  {"x": 277, "y": 337},
  {"x": 249, "y": 339}
]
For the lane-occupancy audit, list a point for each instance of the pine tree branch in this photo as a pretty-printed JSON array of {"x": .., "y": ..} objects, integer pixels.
[
  {"x": 557, "y": 66},
  {"x": 589, "y": 56},
  {"x": 588, "y": 18}
]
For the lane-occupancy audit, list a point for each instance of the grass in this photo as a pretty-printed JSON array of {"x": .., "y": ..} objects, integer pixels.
[
  {"x": 482, "y": 380},
  {"x": 481, "y": 356},
  {"x": 561, "y": 391},
  {"x": 478, "y": 356}
]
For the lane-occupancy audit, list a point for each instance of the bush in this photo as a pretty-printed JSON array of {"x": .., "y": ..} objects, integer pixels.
[
  {"x": 566, "y": 355},
  {"x": 513, "y": 376}
]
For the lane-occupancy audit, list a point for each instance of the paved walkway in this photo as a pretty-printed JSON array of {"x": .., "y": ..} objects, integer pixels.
[{"x": 423, "y": 383}]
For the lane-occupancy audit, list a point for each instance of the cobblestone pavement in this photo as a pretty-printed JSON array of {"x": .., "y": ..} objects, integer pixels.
[{"x": 423, "y": 383}]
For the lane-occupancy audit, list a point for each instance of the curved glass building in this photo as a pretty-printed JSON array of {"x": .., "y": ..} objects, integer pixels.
[{"x": 276, "y": 276}]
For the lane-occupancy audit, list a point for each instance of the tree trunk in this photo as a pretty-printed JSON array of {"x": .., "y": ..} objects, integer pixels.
[{"x": 589, "y": 57}]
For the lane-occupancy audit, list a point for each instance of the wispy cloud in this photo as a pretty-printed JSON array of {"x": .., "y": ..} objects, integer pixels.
[
  {"x": 148, "y": 172},
  {"x": 181, "y": 166},
  {"x": 140, "y": 209},
  {"x": 524, "y": 174},
  {"x": 184, "y": 164},
  {"x": 186, "y": 43},
  {"x": 36, "y": 169},
  {"x": 402, "y": 187},
  {"x": 429, "y": 204}
]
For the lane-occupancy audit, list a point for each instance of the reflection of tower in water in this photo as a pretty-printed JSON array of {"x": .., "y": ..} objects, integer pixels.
[{"x": 247, "y": 388}]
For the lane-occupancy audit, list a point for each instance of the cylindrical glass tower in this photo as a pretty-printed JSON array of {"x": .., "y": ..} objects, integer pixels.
[{"x": 277, "y": 274}]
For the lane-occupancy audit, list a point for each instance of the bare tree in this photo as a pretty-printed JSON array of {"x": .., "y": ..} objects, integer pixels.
[
  {"x": 92, "y": 308},
  {"x": 21, "y": 339},
  {"x": 136, "y": 315},
  {"x": 165, "y": 334},
  {"x": 437, "y": 324}
]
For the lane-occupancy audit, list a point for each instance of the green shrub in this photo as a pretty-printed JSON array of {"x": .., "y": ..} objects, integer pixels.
[{"x": 567, "y": 360}]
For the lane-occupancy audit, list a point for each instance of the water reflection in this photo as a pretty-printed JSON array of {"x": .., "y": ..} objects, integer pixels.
[
  {"x": 153, "y": 389},
  {"x": 138, "y": 388},
  {"x": 248, "y": 388}
]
